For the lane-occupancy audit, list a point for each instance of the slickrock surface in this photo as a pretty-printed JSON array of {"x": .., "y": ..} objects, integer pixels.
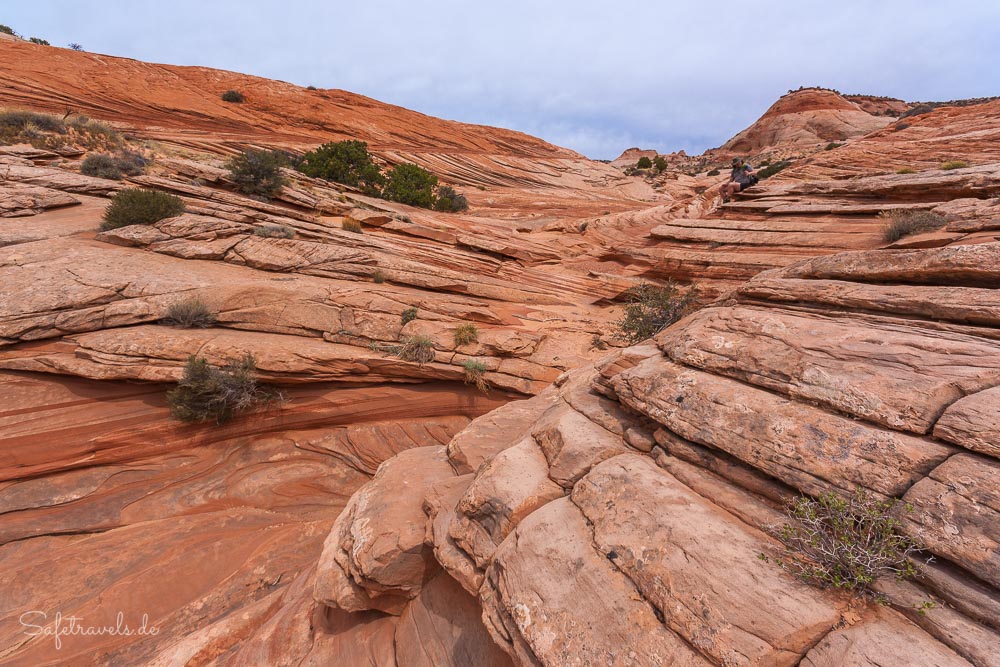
[
  {"x": 805, "y": 118},
  {"x": 597, "y": 506}
]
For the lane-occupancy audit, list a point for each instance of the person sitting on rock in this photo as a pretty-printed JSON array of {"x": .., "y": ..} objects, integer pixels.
[{"x": 740, "y": 178}]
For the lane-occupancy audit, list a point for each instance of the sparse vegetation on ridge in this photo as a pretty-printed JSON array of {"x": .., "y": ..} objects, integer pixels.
[
  {"x": 345, "y": 162},
  {"x": 845, "y": 542},
  {"x": 210, "y": 393},
  {"x": 644, "y": 163},
  {"x": 904, "y": 223},
  {"x": 652, "y": 308},
  {"x": 136, "y": 206},
  {"x": 233, "y": 96}
]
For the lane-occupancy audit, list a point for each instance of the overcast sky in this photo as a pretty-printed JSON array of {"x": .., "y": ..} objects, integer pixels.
[{"x": 597, "y": 77}]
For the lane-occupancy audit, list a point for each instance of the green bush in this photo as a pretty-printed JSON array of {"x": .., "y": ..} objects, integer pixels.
[
  {"x": 114, "y": 167},
  {"x": 465, "y": 334},
  {"x": 378, "y": 277},
  {"x": 209, "y": 393},
  {"x": 346, "y": 162},
  {"x": 714, "y": 172},
  {"x": 408, "y": 315},
  {"x": 190, "y": 313},
  {"x": 140, "y": 207},
  {"x": 274, "y": 231},
  {"x": 833, "y": 144},
  {"x": 475, "y": 373},
  {"x": 660, "y": 163},
  {"x": 954, "y": 164},
  {"x": 234, "y": 96},
  {"x": 419, "y": 349},
  {"x": 7, "y": 30},
  {"x": 410, "y": 184},
  {"x": 905, "y": 223},
  {"x": 258, "y": 172},
  {"x": 351, "y": 225},
  {"x": 905, "y": 170},
  {"x": 450, "y": 201},
  {"x": 39, "y": 40},
  {"x": 772, "y": 169},
  {"x": 845, "y": 542},
  {"x": 650, "y": 309},
  {"x": 644, "y": 163}
]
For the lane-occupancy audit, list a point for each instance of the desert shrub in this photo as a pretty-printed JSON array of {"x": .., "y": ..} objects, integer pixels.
[
  {"x": 772, "y": 169},
  {"x": 21, "y": 120},
  {"x": 114, "y": 167},
  {"x": 900, "y": 126},
  {"x": 450, "y": 201},
  {"x": 597, "y": 343},
  {"x": 210, "y": 393},
  {"x": 346, "y": 162},
  {"x": 644, "y": 163},
  {"x": 408, "y": 315},
  {"x": 410, "y": 184},
  {"x": 274, "y": 231},
  {"x": 833, "y": 144},
  {"x": 234, "y": 96},
  {"x": 39, "y": 41},
  {"x": 419, "y": 349},
  {"x": 845, "y": 542},
  {"x": 351, "y": 225},
  {"x": 75, "y": 46},
  {"x": 190, "y": 313},
  {"x": 378, "y": 277},
  {"x": 906, "y": 170},
  {"x": 465, "y": 334},
  {"x": 651, "y": 309},
  {"x": 905, "y": 223},
  {"x": 135, "y": 206},
  {"x": 954, "y": 164},
  {"x": 311, "y": 88},
  {"x": 257, "y": 172},
  {"x": 660, "y": 163},
  {"x": 475, "y": 373},
  {"x": 714, "y": 172},
  {"x": 7, "y": 30}
]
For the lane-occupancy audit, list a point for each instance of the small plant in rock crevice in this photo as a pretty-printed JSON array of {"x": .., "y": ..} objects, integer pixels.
[
  {"x": 954, "y": 164},
  {"x": 652, "y": 308},
  {"x": 234, "y": 97},
  {"x": 190, "y": 313},
  {"x": 465, "y": 334},
  {"x": 475, "y": 373},
  {"x": 902, "y": 223},
  {"x": 115, "y": 167},
  {"x": 211, "y": 393},
  {"x": 419, "y": 349},
  {"x": 408, "y": 315},
  {"x": 274, "y": 231},
  {"x": 351, "y": 225},
  {"x": 845, "y": 542}
]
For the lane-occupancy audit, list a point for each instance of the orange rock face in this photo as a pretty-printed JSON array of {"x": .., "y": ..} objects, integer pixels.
[
  {"x": 806, "y": 118},
  {"x": 594, "y": 506}
]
